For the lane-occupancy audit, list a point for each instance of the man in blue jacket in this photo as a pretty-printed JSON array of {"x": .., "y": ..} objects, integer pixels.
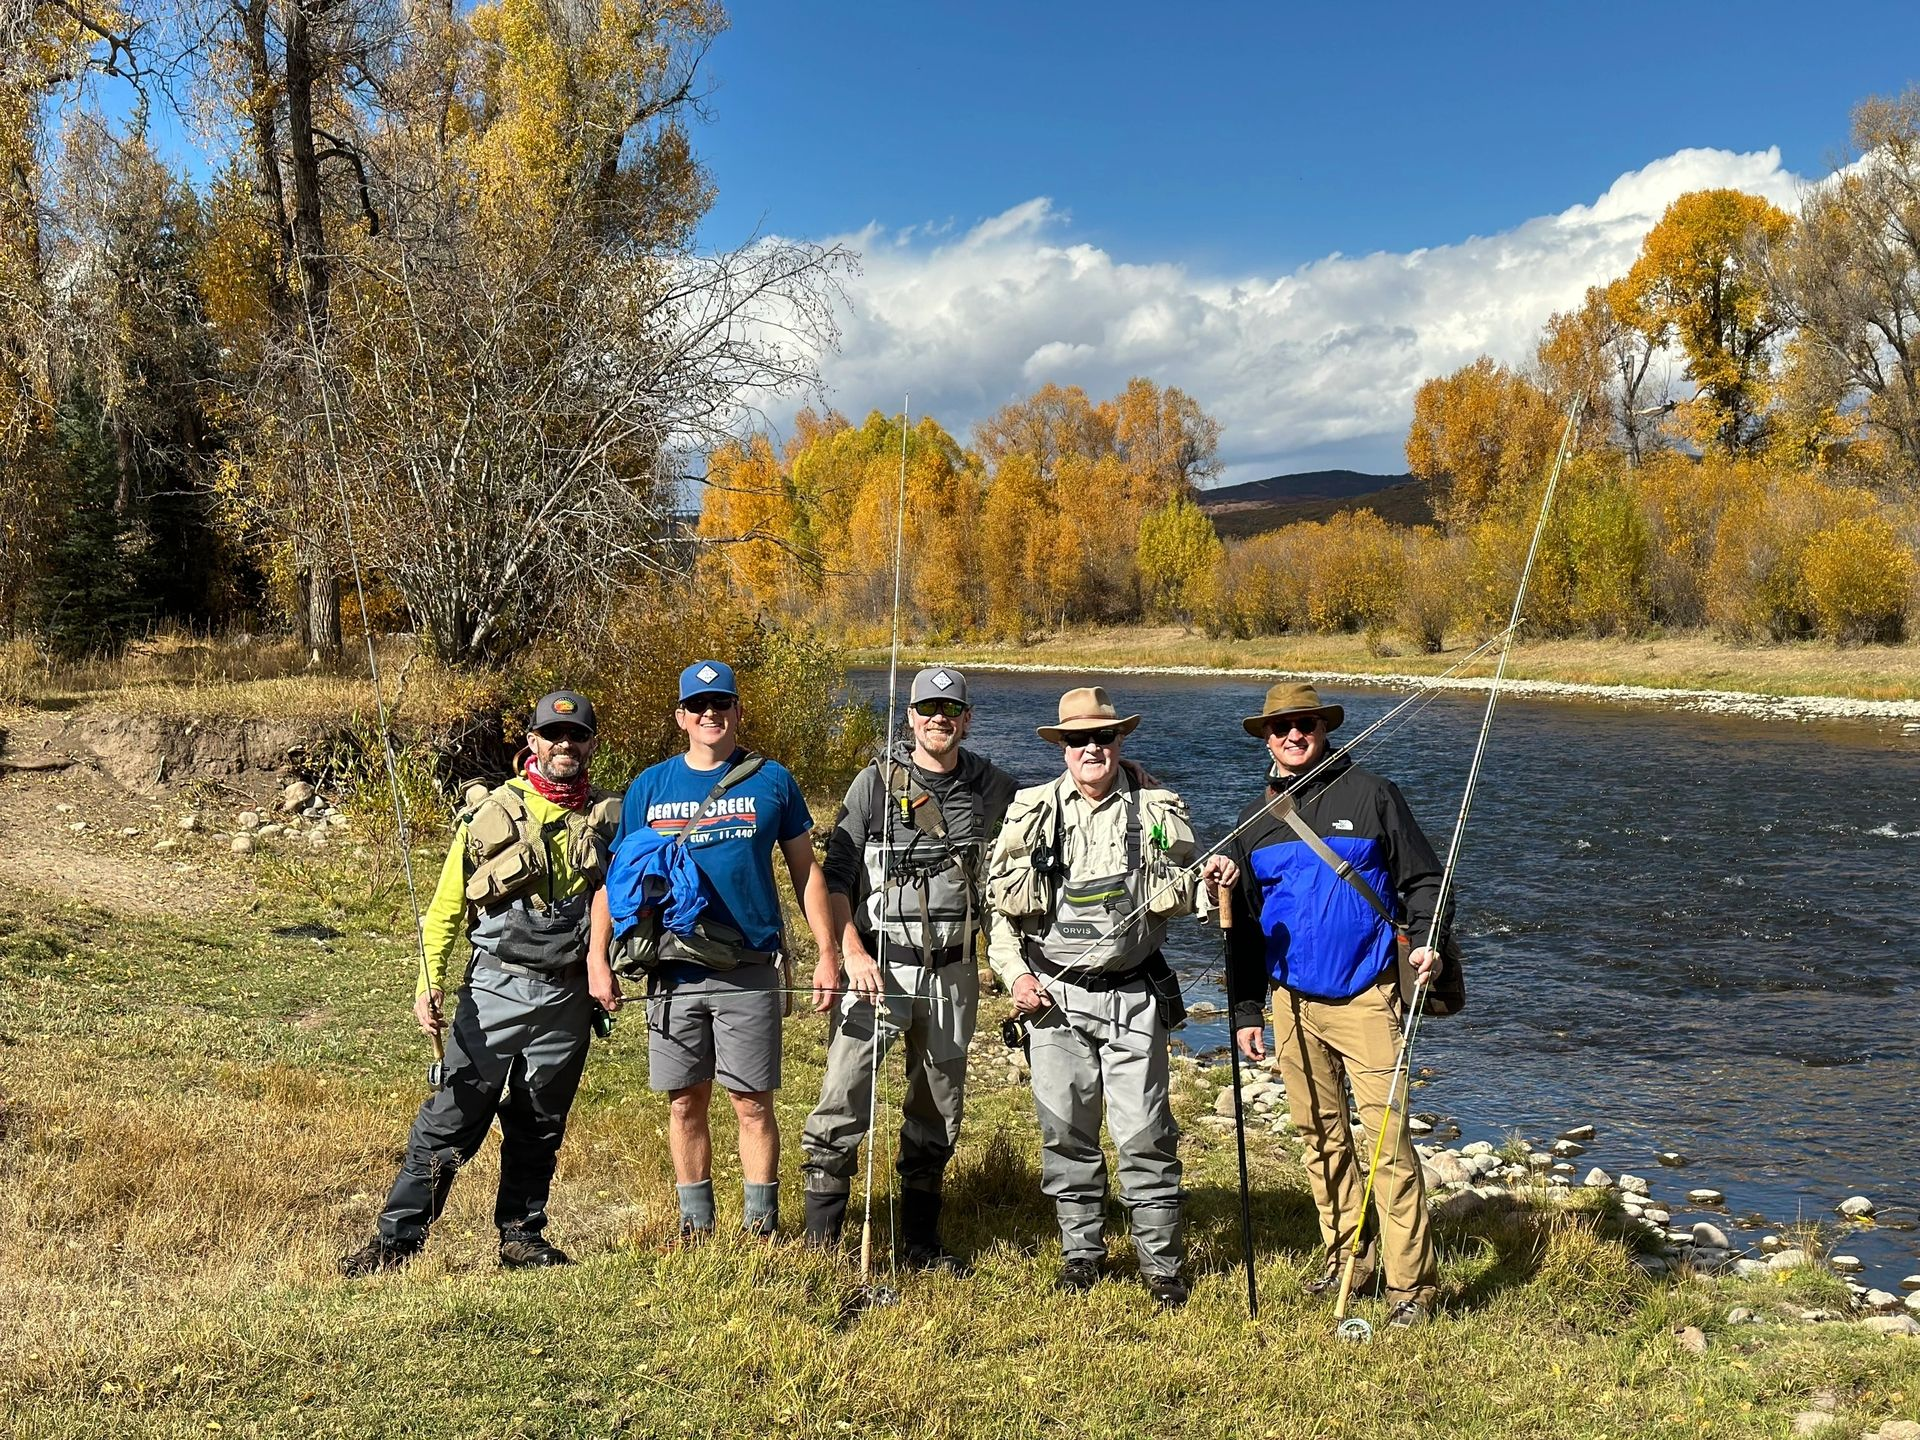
[{"x": 1331, "y": 960}]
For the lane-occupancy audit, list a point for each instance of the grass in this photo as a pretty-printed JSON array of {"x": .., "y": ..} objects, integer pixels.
[
  {"x": 1691, "y": 661},
  {"x": 198, "y": 1114}
]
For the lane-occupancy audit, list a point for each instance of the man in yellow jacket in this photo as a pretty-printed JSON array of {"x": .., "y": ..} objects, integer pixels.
[{"x": 515, "y": 890}]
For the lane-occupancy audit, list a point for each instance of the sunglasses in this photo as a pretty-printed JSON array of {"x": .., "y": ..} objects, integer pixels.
[
  {"x": 564, "y": 735},
  {"x": 1081, "y": 739},
  {"x": 701, "y": 704},
  {"x": 1303, "y": 724},
  {"x": 952, "y": 709}
]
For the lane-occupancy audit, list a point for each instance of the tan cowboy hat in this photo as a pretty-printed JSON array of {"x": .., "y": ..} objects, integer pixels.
[
  {"x": 1087, "y": 708},
  {"x": 1291, "y": 697}
]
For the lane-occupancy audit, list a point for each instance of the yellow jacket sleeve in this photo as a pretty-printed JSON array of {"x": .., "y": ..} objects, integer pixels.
[{"x": 444, "y": 926}]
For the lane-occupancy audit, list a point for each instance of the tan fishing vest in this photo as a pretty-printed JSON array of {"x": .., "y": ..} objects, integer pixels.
[{"x": 507, "y": 847}]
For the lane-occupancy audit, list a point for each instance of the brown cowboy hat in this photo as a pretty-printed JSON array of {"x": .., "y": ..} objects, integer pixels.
[
  {"x": 1087, "y": 708},
  {"x": 1292, "y": 697}
]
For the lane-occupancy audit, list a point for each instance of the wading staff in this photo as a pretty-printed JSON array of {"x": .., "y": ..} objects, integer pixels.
[
  {"x": 1239, "y": 1113},
  {"x": 1360, "y": 1330},
  {"x": 885, "y": 1294}
]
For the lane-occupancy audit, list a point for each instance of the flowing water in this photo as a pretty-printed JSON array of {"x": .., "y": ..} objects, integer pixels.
[{"x": 1693, "y": 932}]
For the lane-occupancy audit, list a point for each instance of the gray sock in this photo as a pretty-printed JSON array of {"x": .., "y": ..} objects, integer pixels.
[
  {"x": 696, "y": 1205},
  {"x": 761, "y": 1213}
]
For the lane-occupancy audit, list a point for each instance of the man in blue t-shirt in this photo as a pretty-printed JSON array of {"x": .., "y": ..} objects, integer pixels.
[{"x": 715, "y": 1001}]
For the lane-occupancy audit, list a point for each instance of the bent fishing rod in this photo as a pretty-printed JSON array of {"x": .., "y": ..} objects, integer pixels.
[{"x": 1356, "y": 1329}]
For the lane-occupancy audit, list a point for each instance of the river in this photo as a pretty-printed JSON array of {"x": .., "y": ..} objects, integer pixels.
[{"x": 1693, "y": 932}]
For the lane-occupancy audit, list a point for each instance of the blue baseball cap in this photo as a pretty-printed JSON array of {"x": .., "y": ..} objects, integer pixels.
[{"x": 707, "y": 677}]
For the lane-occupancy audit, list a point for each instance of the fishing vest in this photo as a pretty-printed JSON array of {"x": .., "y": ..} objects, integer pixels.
[
  {"x": 517, "y": 919},
  {"x": 1106, "y": 922},
  {"x": 922, "y": 876}
]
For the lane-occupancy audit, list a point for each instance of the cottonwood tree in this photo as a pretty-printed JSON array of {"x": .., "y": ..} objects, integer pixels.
[{"x": 1480, "y": 436}]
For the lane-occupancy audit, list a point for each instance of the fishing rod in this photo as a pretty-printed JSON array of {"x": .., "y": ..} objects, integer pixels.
[
  {"x": 1356, "y": 1329},
  {"x": 1239, "y": 1124}
]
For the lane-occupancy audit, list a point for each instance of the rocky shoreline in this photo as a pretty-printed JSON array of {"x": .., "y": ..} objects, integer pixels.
[{"x": 1801, "y": 708}]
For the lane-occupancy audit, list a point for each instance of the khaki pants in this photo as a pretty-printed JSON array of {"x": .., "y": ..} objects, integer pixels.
[{"x": 1323, "y": 1046}]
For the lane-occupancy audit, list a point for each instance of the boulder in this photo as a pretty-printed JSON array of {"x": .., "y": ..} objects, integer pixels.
[
  {"x": 1578, "y": 1132},
  {"x": 1846, "y": 1264},
  {"x": 1448, "y": 1169},
  {"x": 242, "y": 844},
  {"x": 1752, "y": 1269},
  {"x": 1880, "y": 1300},
  {"x": 1598, "y": 1179},
  {"x": 1706, "y": 1234},
  {"x": 1672, "y": 1159},
  {"x": 1478, "y": 1147},
  {"x": 1691, "y": 1339},
  {"x": 1808, "y": 1422},
  {"x": 1567, "y": 1149},
  {"x": 1782, "y": 1261},
  {"x": 1910, "y": 1282},
  {"x": 1740, "y": 1315},
  {"x": 1705, "y": 1196},
  {"x": 1891, "y": 1325},
  {"x": 1913, "y": 1303},
  {"x": 1223, "y": 1102},
  {"x": 1898, "y": 1430},
  {"x": 1658, "y": 1214},
  {"x": 1633, "y": 1185},
  {"x": 1857, "y": 1207},
  {"x": 189, "y": 822},
  {"x": 295, "y": 796},
  {"x": 1772, "y": 1243},
  {"x": 247, "y": 820}
]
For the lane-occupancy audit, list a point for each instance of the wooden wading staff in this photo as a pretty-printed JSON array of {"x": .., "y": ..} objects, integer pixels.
[{"x": 1239, "y": 1114}]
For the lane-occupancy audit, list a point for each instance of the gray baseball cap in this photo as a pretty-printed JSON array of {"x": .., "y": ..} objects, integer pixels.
[
  {"x": 564, "y": 707},
  {"x": 939, "y": 682}
]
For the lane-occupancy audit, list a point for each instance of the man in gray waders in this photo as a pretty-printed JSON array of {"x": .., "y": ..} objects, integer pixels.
[
  {"x": 716, "y": 994},
  {"x": 1085, "y": 874},
  {"x": 515, "y": 888},
  {"x": 1337, "y": 873},
  {"x": 904, "y": 863}
]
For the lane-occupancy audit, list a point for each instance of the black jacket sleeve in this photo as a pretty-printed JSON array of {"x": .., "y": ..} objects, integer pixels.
[
  {"x": 845, "y": 865},
  {"x": 1247, "y": 979},
  {"x": 1415, "y": 868}
]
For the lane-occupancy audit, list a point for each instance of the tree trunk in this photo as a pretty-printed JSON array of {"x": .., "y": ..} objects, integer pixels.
[{"x": 316, "y": 617}]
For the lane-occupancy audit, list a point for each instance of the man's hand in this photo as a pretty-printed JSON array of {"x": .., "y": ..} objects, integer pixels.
[
  {"x": 1028, "y": 997},
  {"x": 1143, "y": 778},
  {"x": 1426, "y": 963},
  {"x": 602, "y": 985},
  {"x": 1220, "y": 873},
  {"x": 426, "y": 1010},
  {"x": 826, "y": 983},
  {"x": 863, "y": 974},
  {"x": 1252, "y": 1041}
]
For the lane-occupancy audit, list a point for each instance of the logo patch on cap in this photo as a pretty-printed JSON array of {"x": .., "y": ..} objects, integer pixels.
[
  {"x": 708, "y": 674},
  {"x": 564, "y": 707},
  {"x": 943, "y": 680}
]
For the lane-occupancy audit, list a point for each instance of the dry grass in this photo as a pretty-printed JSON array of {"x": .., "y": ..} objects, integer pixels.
[
  {"x": 1692, "y": 661},
  {"x": 198, "y": 1116}
]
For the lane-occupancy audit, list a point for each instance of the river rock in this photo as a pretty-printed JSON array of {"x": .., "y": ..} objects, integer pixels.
[
  {"x": 1658, "y": 1214},
  {"x": 1706, "y": 1234},
  {"x": 1846, "y": 1264},
  {"x": 1672, "y": 1159},
  {"x": 1578, "y": 1132},
  {"x": 1808, "y": 1422},
  {"x": 1913, "y": 1303},
  {"x": 1740, "y": 1315},
  {"x": 1677, "y": 1236},
  {"x": 296, "y": 795},
  {"x": 189, "y": 822},
  {"x": 167, "y": 844},
  {"x": 317, "y": 839},
  {"x": 1880, "y": 1300},
  {"x": 1477, "y": 1147},
  {"x": 242, "y": 844},
  {"x": 1652, "y": 1264},
  {"x": 247, "y": 820},
  {"x": 1449, "y": 1170},
  {"x": 1891, "y": 1325},
  {"x": 1223, "y": 1102},
  {"x": 1752, "y": 1269},
  {"x": 1633, "y": 1185},
  {"x": 127, "y": 832},
  {"x": 1417, "y": 1126},
  {"x": 1705, "y": 1196},
  {"x": 1691, "y": 1339},
  {"x": 1857, "y": 1207},
  {"x": 1771, "y": 1243},
  {"x": 1897, "y": 1430},
  {"x": 1539, "y": 1160},
  {"x": 1567, "y": 1149},
  {"x": 1598, "y": 1179},
  {"x": 267, "y": 832},
  {"x": 1782, "y": 1261},
  {"x": 1712, "y": 1258},
  {"x": 337, "y": 820}
]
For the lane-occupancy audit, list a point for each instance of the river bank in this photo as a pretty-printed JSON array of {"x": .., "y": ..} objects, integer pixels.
[{"x": 1794, "y": 682}]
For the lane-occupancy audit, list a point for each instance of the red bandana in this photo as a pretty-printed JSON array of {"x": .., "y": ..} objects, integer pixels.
[{"x": 569, "y": 794}]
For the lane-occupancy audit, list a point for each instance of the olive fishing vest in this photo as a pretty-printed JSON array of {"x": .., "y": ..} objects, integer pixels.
[
  {"x": 922, "y": 866},
  {"x": 517, "y": 919},
  {"x": 1095, "y": 923}
]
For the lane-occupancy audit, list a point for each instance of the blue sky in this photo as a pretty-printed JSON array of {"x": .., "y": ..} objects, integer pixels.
[{"x": 1203, "y": 163}]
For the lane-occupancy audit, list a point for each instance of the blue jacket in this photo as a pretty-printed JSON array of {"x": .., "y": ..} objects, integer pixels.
[
  {"x": 652, "y": 870},
  {"x": 1317, "y": 935}
]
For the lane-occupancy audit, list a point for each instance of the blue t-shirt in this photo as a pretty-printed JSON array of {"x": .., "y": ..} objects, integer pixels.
[{"x": 733, "y": 848}]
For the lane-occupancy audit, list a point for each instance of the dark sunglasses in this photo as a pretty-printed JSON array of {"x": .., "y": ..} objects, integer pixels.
[
  {"x": 1081, "y": 739},
  {"x": 1305, "y": 724},
  {"x": 701, "y": 704},
  {"x": 564, "y": 735},
  {"x": 952, "y": 709}
]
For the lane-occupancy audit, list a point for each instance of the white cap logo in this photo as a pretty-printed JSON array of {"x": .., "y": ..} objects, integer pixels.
[
  {"x": 708, "y": 674},
  {"x": 943, "y": 680}
]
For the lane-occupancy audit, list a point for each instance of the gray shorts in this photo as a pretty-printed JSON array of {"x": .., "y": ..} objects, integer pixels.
[{"x": 714, "y": 1025}]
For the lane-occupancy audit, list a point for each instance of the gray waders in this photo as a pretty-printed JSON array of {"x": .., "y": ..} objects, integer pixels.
[{"x": 515, "y": 1050}]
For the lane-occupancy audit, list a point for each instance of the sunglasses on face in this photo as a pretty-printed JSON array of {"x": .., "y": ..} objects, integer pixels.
[
  {"x": 1303, "y": 724},
  {"x": 1081, "y": 739},
  {"x": 564, "y": 735},
  {"x": 701, "y": 704},
  {"x": 952, "y": 709}
]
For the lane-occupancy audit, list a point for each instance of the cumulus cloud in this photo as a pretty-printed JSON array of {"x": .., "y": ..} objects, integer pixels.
[{"x": 1315, "y": 367}]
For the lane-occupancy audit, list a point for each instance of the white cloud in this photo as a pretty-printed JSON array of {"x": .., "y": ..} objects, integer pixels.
[{"x": 1310, "y": 368}]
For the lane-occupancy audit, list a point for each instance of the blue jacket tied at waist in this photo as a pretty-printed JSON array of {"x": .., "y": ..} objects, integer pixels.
[{"x": 652, "y": 871}]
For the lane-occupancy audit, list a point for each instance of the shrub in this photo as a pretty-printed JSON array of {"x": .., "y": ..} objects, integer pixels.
[
  {"x": 1432, "y": 586},
  {"x": 1858, "y": 580},
  {"x": 1606, "y": 546},
  {"x": 1754, "y": 587}
]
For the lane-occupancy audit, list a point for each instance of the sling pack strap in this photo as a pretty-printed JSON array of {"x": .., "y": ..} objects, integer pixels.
[
  {"x": 1283, "y": 806},
  {"x": 738, "y": 773}
]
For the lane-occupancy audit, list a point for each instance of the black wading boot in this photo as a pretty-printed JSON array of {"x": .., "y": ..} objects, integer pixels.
[
  {"x": 826, "y": 1215},
  {"x": 530, "y": 1250},
  {"x": 920, "y": 1243},
  {"x": 375, "y": 1256}
]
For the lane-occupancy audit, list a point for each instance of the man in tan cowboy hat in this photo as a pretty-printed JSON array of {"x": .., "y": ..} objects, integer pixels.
[
  {"x": 1085, "y": 874},
  {"x": 1328, "y": 945}
]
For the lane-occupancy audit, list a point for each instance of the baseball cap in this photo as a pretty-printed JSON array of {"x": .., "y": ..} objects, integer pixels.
[
  {"x": 564, "y": 707},
  {"x": 939, "y": 682},
  {"x": 707, "y": 677}
]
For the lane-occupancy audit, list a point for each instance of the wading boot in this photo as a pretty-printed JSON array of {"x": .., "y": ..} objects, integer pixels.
[
  {"x": 1328, "y": 1282},
  {"x": 1170, "y": 1290},
  {"x": 826, "y": 1215},
  {"x": 376, "y": 1256},
  {"x": 1409, "y": 1313},
  {"x": 530, "y": 1250},
  {"x": 920, "y": 1243},
  {"x": 1079, "y": 1275}
]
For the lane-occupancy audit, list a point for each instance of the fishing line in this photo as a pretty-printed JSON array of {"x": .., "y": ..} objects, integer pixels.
[{"x": 1356, "y": 1329}]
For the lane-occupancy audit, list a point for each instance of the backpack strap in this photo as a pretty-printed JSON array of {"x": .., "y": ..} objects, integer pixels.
[
  {"x": 1283, "y": 806},
  {"x": 742, "y": 770}
]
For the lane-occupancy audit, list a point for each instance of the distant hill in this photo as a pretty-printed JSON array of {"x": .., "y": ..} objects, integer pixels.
[{"x": 1238, "y": 511}]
